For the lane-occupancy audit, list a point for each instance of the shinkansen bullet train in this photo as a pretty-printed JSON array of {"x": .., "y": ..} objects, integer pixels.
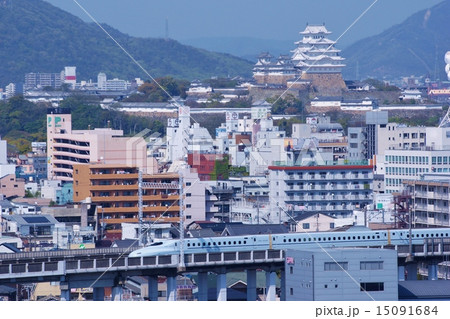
[{"x": 292, "y": 241}]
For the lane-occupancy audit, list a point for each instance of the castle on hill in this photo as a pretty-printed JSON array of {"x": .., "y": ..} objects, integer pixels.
[{"x": 314, "y": 62}]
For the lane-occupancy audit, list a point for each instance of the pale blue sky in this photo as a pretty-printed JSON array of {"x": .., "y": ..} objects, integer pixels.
[{"x": 281, "y": 19}]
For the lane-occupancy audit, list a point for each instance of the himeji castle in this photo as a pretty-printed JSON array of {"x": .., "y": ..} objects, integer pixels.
[{"x": 315, "y": 61}]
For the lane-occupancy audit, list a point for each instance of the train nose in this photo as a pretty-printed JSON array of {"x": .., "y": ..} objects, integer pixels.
[{"x": 135, "y": 254}]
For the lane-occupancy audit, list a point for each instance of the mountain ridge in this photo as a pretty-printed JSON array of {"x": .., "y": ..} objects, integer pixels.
[
  {"x": 35, "y": 36},
  {"x": 413, "y": 47}
]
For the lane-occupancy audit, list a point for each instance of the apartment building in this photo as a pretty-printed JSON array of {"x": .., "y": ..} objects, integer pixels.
[
  {"x": 409, "y": 165},
  {"x": 430, "y": 200},
  {"x": 331, "y": 188},
  {"x": 67, "y": 147},
  {"x": 114, "y": 190}
]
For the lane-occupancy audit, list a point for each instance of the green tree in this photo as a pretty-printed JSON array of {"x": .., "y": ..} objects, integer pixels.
[
  {"x": 221, "y": 169},
  {"x": 288, "y": 105}
]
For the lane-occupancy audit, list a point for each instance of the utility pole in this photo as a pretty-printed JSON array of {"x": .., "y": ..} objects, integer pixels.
[
  {"x": 140, "y": 214},
  {"x": 181, "y": 265}
]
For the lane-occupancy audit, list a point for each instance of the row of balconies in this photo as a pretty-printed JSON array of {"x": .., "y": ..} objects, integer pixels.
[
  {"x": 330, "y": 197},
  {"x": 432, "y": 208},
  {"x": 135, "y": 209},
  {"x": 323, "y": 208},
  {"x": 432, "y": 195},
  {"x": 329, "y": 187},
  {"x": 169, "y": 218},
  {"x": 308, "y": 177},
  {"x": 133, "y": 198}
]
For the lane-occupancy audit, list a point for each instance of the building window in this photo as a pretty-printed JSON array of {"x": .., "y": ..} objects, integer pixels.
[
  {"x": 188, "y": 205},
  {"x": 291, "y": 270},
  {"x": 291, "y": 291},
  {"x": 331, "y": 225},
  {"x": 188, "y": 195},
  {"x": 305, "y": 226},
  {"x": 335, "y": 266},
  {"x": 372, "y": 286},
  {"x": 371, "y": 265}
]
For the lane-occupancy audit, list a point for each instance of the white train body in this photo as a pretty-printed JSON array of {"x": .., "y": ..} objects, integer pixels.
[{"x": 292, "y": 241}]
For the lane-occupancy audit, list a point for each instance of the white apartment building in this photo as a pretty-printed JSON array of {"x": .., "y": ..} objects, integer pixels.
[
  {"x": 431, "y": 199},
  {"x": 410, "y": 164}
]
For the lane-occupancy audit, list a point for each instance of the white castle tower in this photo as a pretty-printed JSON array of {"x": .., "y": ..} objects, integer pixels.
[{"x": 315, "y": 53}]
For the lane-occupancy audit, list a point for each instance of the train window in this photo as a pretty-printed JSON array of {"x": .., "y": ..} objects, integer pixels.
[
  {"x": 315, "y": 239},
  {"x": 234, "y": 243},
  {"x": 204, "y": 244},
  {"x": 407, "y": 235},
  {"x": 339, "y": 238},
  {"x": 218, "y": 243},
  {"x": 319, "y": 238},
  {"x": 289, "y": 240},
  {"x": 175, "y": 244},
  {"x": 334, "y": 238},
  {"x": 295, "y": 239},
  {"x": 189, "y": 245},
  {"x": 209, "y": 244},
  {"x": 364, "y": 237},
  {"x": 359, "y": 237},
  {"x": 239, "y": 242},
  {"x": 329, "y": 238},
  {"x": 422, "y": 235},
  {"x": 432, "y": 235},
  {"x": 309, "y": 239},
  {"x": 354, "y": 237},
  {"x": 245, "y": 242},
  {"x": 427, "y": 235},
  {"x": 446, "y": 234},
  {"x": 442, "y": 235},
  {"x": 304, "y": 239},
  {"x": 393, "y": 234},
  {"x": 229, "y": 243},
  {"x": 284, "y": 240}
]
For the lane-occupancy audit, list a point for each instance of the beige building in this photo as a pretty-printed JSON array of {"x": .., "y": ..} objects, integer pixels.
[
  {"x": 10, "y": 186},
  {"x": 67, "y": 147},
  {"x": 313, "y": 222}
]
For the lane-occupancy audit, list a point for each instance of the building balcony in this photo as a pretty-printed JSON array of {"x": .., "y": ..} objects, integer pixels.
[
  {"x": 100, "y": 176},
  {"x": 151, "y": 185},
  {"x": 71, "y": 146},
  {"x": 113, "y": 188},
  {"x": 163, "y": 219},
  {"x": 135, "y": 209},
  {"x": 71, "y": 155},
  {"x": 134, "y": 198}
]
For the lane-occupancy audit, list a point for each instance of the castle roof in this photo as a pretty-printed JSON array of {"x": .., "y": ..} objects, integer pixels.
[{"x": 315, "y": 29}]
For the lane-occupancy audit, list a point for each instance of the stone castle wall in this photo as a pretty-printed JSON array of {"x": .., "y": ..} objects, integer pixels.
[
  {"x": 326, "y": 84},
  {"x": 277, "y": 79}
]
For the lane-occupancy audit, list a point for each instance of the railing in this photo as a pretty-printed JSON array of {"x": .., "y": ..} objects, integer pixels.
[
  {"x": 322, "y": 163},
  {"x": 30, "y": 268},
  {"x": 65, "y": 253},
  {"x": 160, "y": 185}
]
